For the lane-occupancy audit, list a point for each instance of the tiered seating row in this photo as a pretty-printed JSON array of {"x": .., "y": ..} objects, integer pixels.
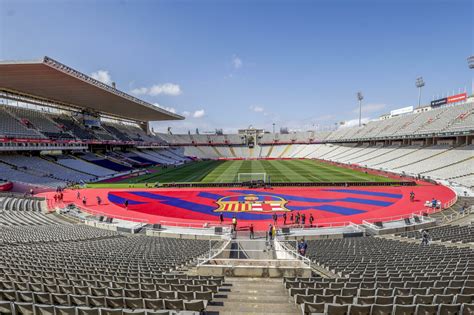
[
  {"x": 381, "y": 276},
  {"x": 447, "y": 233},
  {"x": 77, "y": 269},
  {"x": 21, "y": 211},
  {"x": 22, "y": 122}
]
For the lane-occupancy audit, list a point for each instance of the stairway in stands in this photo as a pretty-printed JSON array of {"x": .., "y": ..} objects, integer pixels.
[
  {"x": 454, "y": 209},
  {"x": 270, "y": 151},
  {"x": 284, "y": 153},
  {"x": 254, "y": 296},
  {"x": 232, "y": 151},
  {"x": 218, "y": 154},
  {"x": 442, "y": 217}
]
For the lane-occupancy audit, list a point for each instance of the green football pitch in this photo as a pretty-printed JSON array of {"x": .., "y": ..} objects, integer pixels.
[{"x": 227, "y": 172}]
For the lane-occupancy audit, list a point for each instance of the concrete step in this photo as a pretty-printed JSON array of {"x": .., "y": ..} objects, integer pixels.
[
  {"x": 264, "y": 298},
  {"x": 252, "y": 286},
  {"x": 262, "y": 285},
  {"x": 251, "y": 281},
  {"x": 256, "y": 296},
  {"x": 267, "y": 308},
  {"x": 236, "y": 312},
  {"x": 256, "y": 291}
]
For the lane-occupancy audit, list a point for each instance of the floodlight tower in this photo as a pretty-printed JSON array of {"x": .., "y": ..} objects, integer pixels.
[
  {"x": 470, "y": 62},
  {"x": 360, "y": 97},
  {"x": 419, "y": 84}
]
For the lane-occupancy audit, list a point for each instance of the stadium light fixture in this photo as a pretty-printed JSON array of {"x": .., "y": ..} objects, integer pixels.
[
  {"x": 273, "y": 128},
  {"x": 470, "y": 62},
  {"x": 360, "y": 97},
  {"x": 419, "y": 84}
]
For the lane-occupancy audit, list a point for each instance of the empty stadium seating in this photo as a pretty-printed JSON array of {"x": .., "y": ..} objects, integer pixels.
[
  {"x": 68, "y": 124},
  {"x": 83, "y": 166},
  {"x": 28, "y": 175},
  {"x": 40, "y": 121},
  {"x": 381, "y": 276},
  {"x": 48, "y": 168},
  {"x": 49, "y": 266},
  {"x": 11, "y": 127},
  {"x": 21, "y": 211},
  {"x": 443, "y": 161},
  {"x": 61, "y": 170},
  {"x": 447, "y": 233},
  {"x": 23, "y": 122},
  {"x": 104, "y": 162}
]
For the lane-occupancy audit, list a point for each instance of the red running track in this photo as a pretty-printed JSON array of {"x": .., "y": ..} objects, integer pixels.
[{"x": 197, "y": 206}]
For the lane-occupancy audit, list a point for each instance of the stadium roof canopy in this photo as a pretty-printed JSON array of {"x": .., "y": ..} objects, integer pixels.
[{"x": 53, "y": 81}]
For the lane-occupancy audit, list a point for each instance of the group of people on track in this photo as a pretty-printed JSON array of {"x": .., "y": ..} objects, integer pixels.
[
  {"x": 294, "y": 219},
  {"x": 298, "y": 219}
]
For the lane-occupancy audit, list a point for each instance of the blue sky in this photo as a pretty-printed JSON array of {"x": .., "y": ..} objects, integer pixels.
[{"x": 231, "y": 64}]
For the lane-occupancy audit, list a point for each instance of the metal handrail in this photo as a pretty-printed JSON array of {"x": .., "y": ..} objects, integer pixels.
[
  {"x": 213, "y": 252},
  {"x": 295, "y": 253},
  {"x": 229, "y": 262},
  {"x": 454, "y": 216},
  {"x": 428, "y": 210},
  {"x": 119, "y": 217},
  {"x": 243, "y": 251}
]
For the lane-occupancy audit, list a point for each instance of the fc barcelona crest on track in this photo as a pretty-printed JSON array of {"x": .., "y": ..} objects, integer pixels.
[{"x": 251, "y": 203}]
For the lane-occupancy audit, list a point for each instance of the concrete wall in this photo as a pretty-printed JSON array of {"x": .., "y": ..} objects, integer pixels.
[
  {"x": 254, "y": 268},
  {"x": 150, "y": 232},
  {"x": 101, "y": 225}
]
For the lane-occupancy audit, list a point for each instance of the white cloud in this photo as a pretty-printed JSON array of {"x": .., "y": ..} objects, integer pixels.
[
  {"x": 354, "y": 122},
  {"x": 102, "y": 76},
  {"x": 167, "y": 89},
  {"x": 158, "y": 89},
  {"x": 196, "y": 114},
  {"x": 237, "y": 63},
  {"x": 199, "y": 113},
  {"x": 257, "y": 108},
  {"x": 370, "y": 108},
  {"x": 140, "y": 91},
  {"x": 170, "y": 109}
]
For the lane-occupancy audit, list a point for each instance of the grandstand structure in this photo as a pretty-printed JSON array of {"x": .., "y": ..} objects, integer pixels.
[
  {"x": 433, "y": 143},
  {"x": 111, "y": 129},
  {"x": 48, "y": 107},
  {"x": 70, "y": 249}
]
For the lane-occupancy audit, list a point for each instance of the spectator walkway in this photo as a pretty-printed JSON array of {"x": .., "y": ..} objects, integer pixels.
[{"x": 254, "y": 296}]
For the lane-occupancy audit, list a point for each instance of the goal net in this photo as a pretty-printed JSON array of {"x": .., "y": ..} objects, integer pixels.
[{"x": 251, "y": 177}]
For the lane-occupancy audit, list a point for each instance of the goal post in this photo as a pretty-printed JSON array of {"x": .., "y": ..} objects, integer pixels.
[{"x": 251, "y": 177}]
